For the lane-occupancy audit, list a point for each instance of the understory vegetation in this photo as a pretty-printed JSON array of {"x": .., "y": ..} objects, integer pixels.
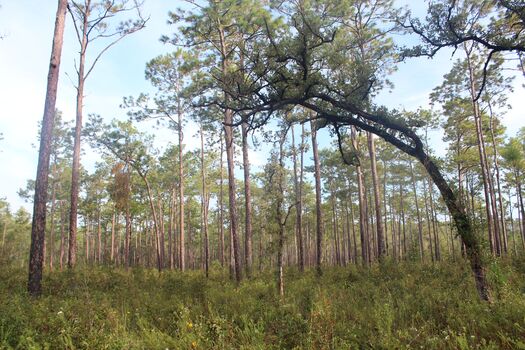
[{"x": 389, "y": 305}]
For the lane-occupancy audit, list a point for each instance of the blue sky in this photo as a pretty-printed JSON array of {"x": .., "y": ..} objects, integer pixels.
[{"x": 27, "y": 27}]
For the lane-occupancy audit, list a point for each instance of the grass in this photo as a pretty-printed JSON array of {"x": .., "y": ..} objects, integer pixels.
[{"x": 388, "y": 306}]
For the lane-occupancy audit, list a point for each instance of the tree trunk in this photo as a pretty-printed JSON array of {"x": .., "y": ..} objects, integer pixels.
[
  {"x": 221, "y": 207},
  {"x": 62, "y": 235},
  {"x": 298, "y": 199},
  {"x": 492, "y": 229},
  {"x": 38, "y": 227},
  {"x": 319, "y": 213},
  {"x": 75, "y": 168},
  {"x": 248, "y": 255},
  {"x": 362, "y": 206},
  {"x": 377, "y": 196},
  {"x": 204, "y": 206},
  {"x": 418, "y": 213},
  {"x": 52, "y": 224},
  {"x": 498, "y": 183},
  {"x": 462, "y": 222},
  {"x": 182, "y": 246}
]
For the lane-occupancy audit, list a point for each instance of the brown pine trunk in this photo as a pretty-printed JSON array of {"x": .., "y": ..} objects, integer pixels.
[
  {"x": 503, "y": 230},
  {"x": 52, "y": 225},
  {"x": 62, "y": 235},
  {"x": 204, "y": 206},
  {"x": 171, "y": 228},
  {"x": 462, "y": 222},
  {"x": 362, "y": 206},
  {"x": 418, "y": 213},
  {"x": 99, "y": 236},
  {"x": 319, "y": 213},
  {"x": 492, "y": 229},
  {"x": 182, "y": 245},
  {"x": 38, "y": 227},
  {"x": 75, "y": 169},
  {"x": 298, "y": 199},
  {"x": 377, "y": 196},
  {"x": 127, "y": 239},
  {"x": 248, "y": 255},
  {"x": 437, "y": 248},
  {"x": 221, "y": 208},
  {"x": 281, "y": 217}
]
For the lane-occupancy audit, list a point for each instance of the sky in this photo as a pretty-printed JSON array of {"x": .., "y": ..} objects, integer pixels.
[{"x": 27, "y": 28}]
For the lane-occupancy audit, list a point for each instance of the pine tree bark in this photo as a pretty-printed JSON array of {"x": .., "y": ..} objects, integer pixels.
[
  {"x": 248, "y": 254},
  {"x": 319, "y": 213},
  {"x": 204, "y": 207},
  {"x": 298, "y": 200},
  {"x": 418, "y": 213},
  {"x": 38, "y": 227},
  {"x": 228, "y": 138},
  {"x": 492, "y": 229},
  {"x": 377, "y": 196},
  {"x": 182, "y": 245},
  {"x": 221, "y": 206},
  {"x": 75, "y": 168},
  {"x": 362, "y": 206}
]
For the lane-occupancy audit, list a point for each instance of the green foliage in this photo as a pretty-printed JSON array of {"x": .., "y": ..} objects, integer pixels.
[{"x": 389, "y": 306}]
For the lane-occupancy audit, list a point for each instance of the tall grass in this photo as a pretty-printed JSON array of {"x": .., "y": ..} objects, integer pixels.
[{"x": 408, "y": 305}]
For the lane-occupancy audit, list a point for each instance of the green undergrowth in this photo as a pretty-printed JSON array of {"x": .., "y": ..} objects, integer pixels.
[{"x": 388, "y": 306}]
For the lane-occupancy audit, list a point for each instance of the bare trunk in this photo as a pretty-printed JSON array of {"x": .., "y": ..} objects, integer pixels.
[
  {"x": 377, "y": 196},
  {"x": 362, "y": 206},
  {"x": 52, "y": 225},
  {"x": 221, "y": 208},
  {"x": 36, "y": 253},
  {"x": 182, "y": 246},
  {"x": 75, "y": 169},
  {"x": 492, "y": 229},
  {"x": 247, "y": 202},
  {"x": 298, "y": 200},
  {"x": 419, "y": 223},
  {"x": 319, "y": 213},
  {"x": 204, "y": 206}
]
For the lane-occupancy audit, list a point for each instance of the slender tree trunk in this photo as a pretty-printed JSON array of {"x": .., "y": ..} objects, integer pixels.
[
  {"x": 155, "y": 220},
  {"x": 298, "y": 199},
  {"x": 99, "y": 236},
  {"x": 248, "y": 255},
  {"x": 362, "y": 206},
  {"x": 492, "y": 229},
  {"x": 281, "y": 217},
  {"x": 418, "y": 213},
  {"x": 204, "y": 206},
  {"x": 521, "y": 211},
  {"x": 429, "y": 229},
  {"x": 38, "y": 227},
  {"x": 182, "y": 246},
  {"x": 228, "y": 137},
  {"x": 377, "y": 195},
  {"x": 437, "y": 249},
  {"x": 127, "y": 239},
  {"x": 75, "y": 169},
  {"x": 319, "y": 213},
  {"x": 62, "y": 234},
  {"x": 498, "y": 183},
  {"x": 52, "y": 224},
  {"x": 221, "y": 207},
  {"x": 112, "y": 254},
  {"x": 171, "y": 227}
]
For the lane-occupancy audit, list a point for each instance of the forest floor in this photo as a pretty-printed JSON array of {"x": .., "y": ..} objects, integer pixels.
[{"x": 389, "y": 306}]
